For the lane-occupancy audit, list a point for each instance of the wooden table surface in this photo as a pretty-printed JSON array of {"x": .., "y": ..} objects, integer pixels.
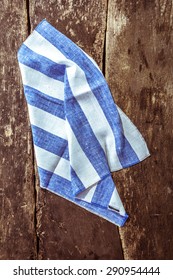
[{"x": 132, "y": 41}]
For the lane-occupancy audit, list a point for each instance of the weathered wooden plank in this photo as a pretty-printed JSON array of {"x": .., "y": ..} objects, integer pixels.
[
  {"x": 139, "y": 59},
  {"x": 66, "y": 231},
  {"x": 17, "y": 202}
]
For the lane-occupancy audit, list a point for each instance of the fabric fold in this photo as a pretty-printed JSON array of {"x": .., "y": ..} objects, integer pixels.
[{"x": 80, "y": 136}]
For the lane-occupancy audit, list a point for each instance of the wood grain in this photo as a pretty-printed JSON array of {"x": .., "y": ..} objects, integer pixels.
[
  {"x": 139, "y": 59},
  {"x": 65, "y": 231},
  {"x": 17, "y": 202}
]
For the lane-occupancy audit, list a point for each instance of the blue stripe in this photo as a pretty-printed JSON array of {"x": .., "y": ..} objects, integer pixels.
[
  {"x": 103, "y": 192},
  {"x": 41, "y": 63},
  {"x": 98, "y": 86},
  {"x": 62, "y": 187},
  {"x": 84, "y": 133},
  {"x": 126, "y": 155},
  {"x": 77, "y": 185},
  {"x": 50, "y": 142},
  {"x": 44, "y": 177},
  {"x": 55, "y": 183},
  {"x": 47, "y": 103}
]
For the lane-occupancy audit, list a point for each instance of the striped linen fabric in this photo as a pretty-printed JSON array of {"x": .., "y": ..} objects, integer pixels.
[{"x": 80, "y": 136}]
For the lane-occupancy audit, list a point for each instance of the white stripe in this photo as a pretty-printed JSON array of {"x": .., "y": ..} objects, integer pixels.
[
  {"x": 133, "y": 136},
  {"x": 52, "y": 163},
  {"x": 79, "y": 161},
  {"x": 79, "y": 85},
  {"x": 47, "y": 121},
  {"x": 41, "y": 82},
  {"x": 37, "y": 43},
  {"x": 87, "y": 194},
  {"x": 116, "y": 203},
  {"x": 57, "y": 126},
  {"x": 94, "y": 114}
]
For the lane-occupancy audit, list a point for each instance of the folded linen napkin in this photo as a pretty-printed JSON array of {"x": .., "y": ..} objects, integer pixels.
[{"x": 80, "y": 136}]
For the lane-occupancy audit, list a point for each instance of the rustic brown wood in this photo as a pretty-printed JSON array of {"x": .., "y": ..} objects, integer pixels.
[
  {"x": 65, "y": 231},
  {"x": 139, "y": 59},
  {"x": 17, "y": 202}
]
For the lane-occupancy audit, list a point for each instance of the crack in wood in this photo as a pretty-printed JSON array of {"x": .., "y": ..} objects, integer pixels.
[
  {"x": 36, "y": 253},
  {"x": 28, "y": 16},
  {"x": 104, "y": 44},
  {"x": 105, "y": 73}
]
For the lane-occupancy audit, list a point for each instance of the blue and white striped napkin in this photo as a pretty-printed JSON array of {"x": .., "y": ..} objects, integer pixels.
[{"x": 80, "y": 136}]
